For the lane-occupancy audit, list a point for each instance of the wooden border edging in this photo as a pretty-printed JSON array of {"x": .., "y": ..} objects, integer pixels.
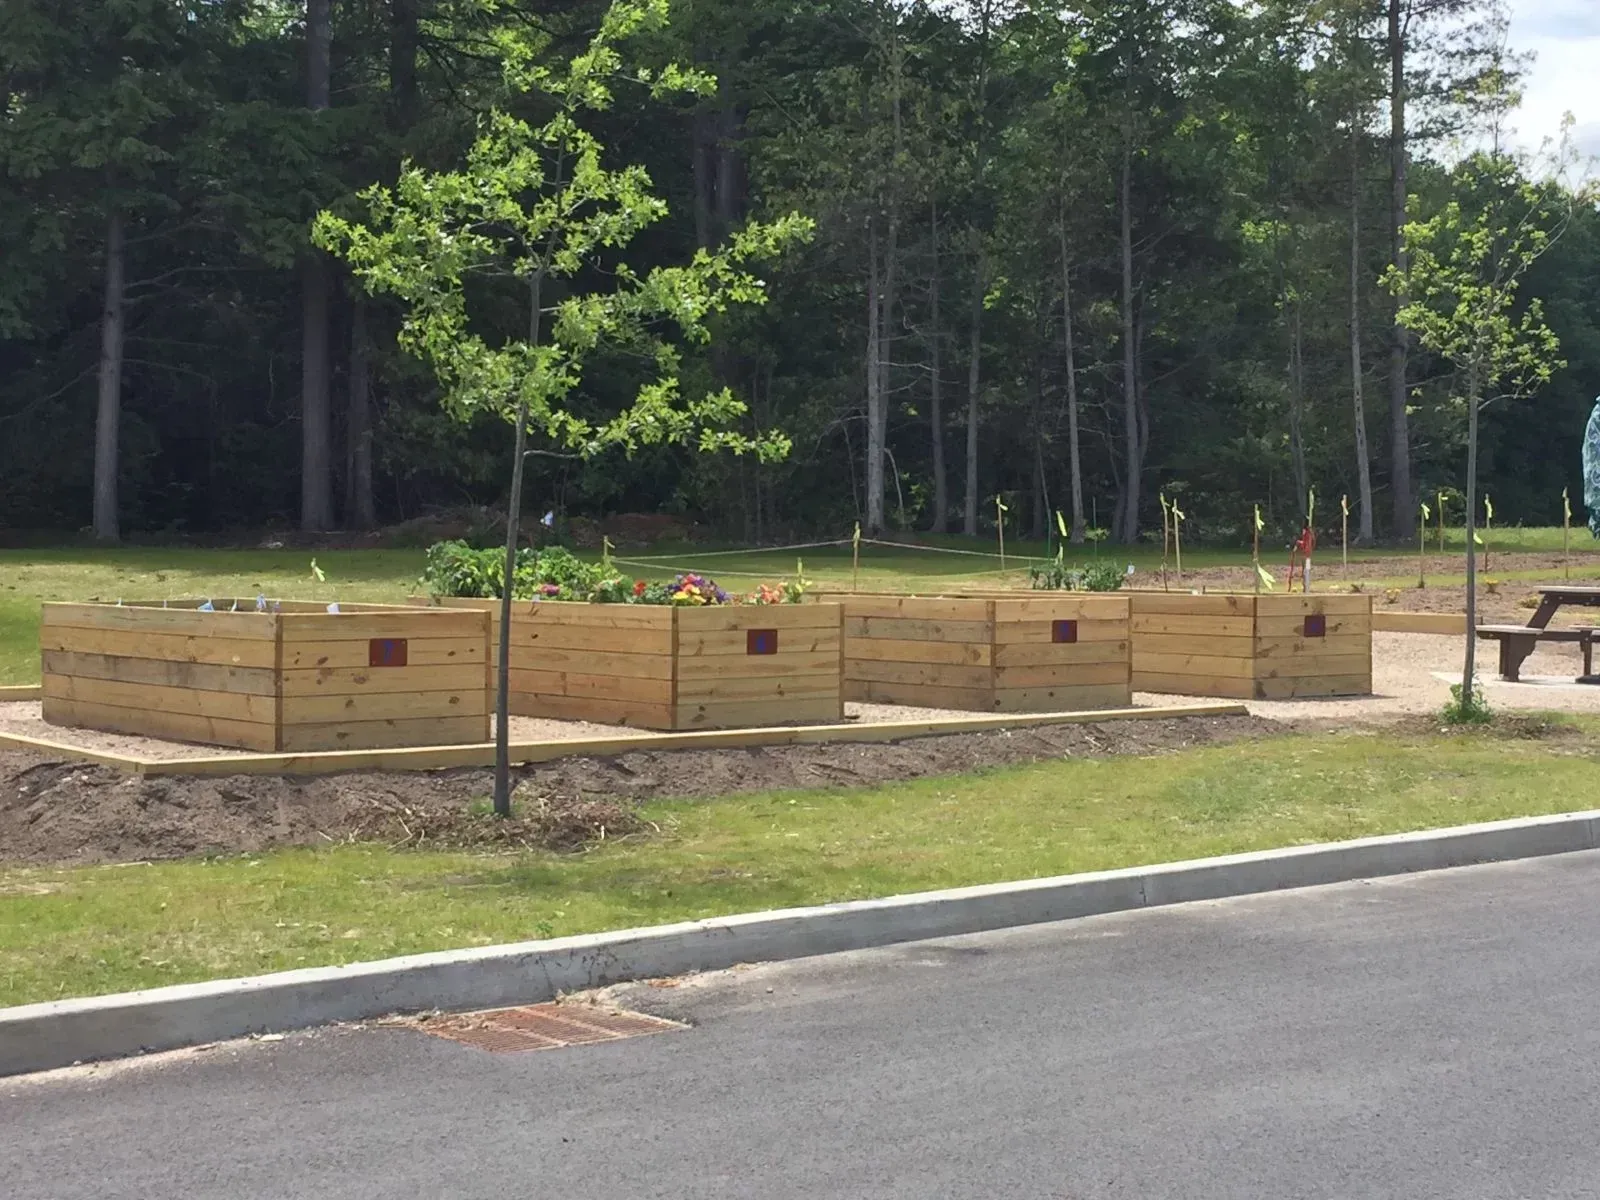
[
  {"x": 1449, "y": 624},
  {"x": 481, "y": 754},
  {"x": 12, "y": 693}
]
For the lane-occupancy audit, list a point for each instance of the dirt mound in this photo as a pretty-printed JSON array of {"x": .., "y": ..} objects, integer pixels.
[{"x": 53, "y": 811}]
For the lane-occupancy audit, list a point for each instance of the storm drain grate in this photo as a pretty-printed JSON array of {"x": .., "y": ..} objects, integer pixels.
[{"x": 544, "y": 1027}]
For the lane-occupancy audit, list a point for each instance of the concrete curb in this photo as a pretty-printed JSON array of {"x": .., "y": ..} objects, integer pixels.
[{"x": 38, "y": 1037}]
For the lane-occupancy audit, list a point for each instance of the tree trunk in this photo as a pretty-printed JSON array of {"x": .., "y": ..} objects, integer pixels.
[
  {"x": 403, "y": 62},
  {"x": 1399, "y": 432},
  {"x": 316, "y": 484},
  {"x": 875, "y": 398},
  {"x": 705, "y": 177},
  {"x": 1074, "y": 458},
  {"x": 359, "y": 510},
  {"x": 941, "y": 482},
  {"x": 108, "y": 415},
  {"x": 1297, "y": 404},
  {"x": 1469, "y": 663},
  {"x": 1128, "y": 531},
  {"x": 1357, "y": 398},
  {"x": 969, "y": 513}
]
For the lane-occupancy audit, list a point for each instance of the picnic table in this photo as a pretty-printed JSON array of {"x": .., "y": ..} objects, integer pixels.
[{"x": 1519, "y": 641}]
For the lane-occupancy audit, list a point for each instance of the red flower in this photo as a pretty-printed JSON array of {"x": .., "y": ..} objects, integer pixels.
[{"x": 638, "y": 587}]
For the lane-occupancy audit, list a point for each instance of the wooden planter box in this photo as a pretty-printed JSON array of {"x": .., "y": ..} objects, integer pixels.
[
  {"x": 302, "y": 678},
  {"x": 1039, "y": 654},
  {"x": 1248, "y": 647},
  {"x": 668, "y": 667}
]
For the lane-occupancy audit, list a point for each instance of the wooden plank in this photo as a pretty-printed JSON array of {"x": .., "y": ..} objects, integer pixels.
[
  {"x": 1317, "y": 602},
  {"x": 1185, "y": 604},
  {"x": 589, "y": 708},
  {"x": 765, "y": 666},
  {"x": 735, "y": 643},
  {"x": 744, "y": 714},
  {"x": 918, "y": 695},
  {"x": 916, "y": 608},
  {"x": 1202, "y": 665},
  {"x": 1045, "y": 653},
  {"x": 1273, "y": 627},
  {"x": 1445, "y": 624},
  {"x": 172, "y": 647},
  {"x": 146, "y": 722},
  {"x": 358, "y": 681},
  {"x": 210, "y": 677},
  {"x": 796, "y": 685},
  {"x": 966, "y": 654},
  {"x": 1291, "y": 647},
  {"x": 1322, "y": 685},
  {"x": 12, "y": 693},
  {"x": 1056, "y": 675},
  {"x": 392, "y": 623},
  {"x": 1192, "y": 685},
  {"x": 567, "y": 612},
  {"x": 577, "y": 637},
  {"x": 365, "y": 735},
  {"x": 420, "y": 652},
  {"x": 1311, "y": 666},
  {"x": 1178, "y": 625},
  {"x": 719, "y": 618},
  {"x": 1076, "y": 606},
  {"x": 599, "y": 687},
  {"x": 1063, "y": 699},
  {"x": 225, "y": 706},
  {"x": 908, "y": 629},
  {"x": 1030, "y": 632},
  {"x": 384, "y": 706},
  {"x": 1188, "y": 643},
  {"x": 931, "y": 674},
  {"x": 592, "y": 662},
  {"x": 240, "y": 626}
]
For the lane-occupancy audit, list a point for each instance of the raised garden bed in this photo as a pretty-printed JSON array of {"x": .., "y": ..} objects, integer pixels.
[
  {"x": 1036, "y": 654},
  {"x": 674, "y": 667},
  {"x": 293, "y": 678},
  {"x": 1250, "y": 647}
]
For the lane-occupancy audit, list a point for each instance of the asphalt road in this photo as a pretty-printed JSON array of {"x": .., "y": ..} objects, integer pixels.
[{"x": 1437, "y": 1036}]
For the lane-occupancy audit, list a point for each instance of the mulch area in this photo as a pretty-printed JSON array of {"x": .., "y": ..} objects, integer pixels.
[{"x": 53, "y": 811}]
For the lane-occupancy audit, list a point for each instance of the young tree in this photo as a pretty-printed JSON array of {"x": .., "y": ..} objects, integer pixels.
[
  {"x": 1465, "y": 267},
  {"x": 533, "y": 209}
]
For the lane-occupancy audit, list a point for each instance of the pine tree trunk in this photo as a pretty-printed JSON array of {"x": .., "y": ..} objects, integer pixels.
[
  {"x": 1469, "y": 661},
  {"x": 969, "y": 512},
  {"x": 941, "y": 481},
  {"x": 875, "y": 397},
  {"x": 1128, "y": 532},
  {"x": 1399, "y": 424},
  {"x": 316, "y": 434},
  {"x": 1297, "y": 405},
  {"x": 1074, "y": 458},
  {"x": 1357, "y": 397},
  {"x": 108, "y": 415},
  {"x": 359, "y": 510},
  {"x": 403, "y": 22}
]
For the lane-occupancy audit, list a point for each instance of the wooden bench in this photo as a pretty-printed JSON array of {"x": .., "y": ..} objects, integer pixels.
[{"x": 1519, "y": 641}]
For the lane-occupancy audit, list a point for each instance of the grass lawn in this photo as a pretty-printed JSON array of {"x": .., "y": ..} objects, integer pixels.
[
  {"x": 66, "y": 932},
  {"x": 87, "y": 573}
]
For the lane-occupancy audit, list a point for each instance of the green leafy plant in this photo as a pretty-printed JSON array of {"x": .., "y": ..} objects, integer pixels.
[
  {"x": 1466, "y": 707},
  {"x": 1056, "y": 575}
]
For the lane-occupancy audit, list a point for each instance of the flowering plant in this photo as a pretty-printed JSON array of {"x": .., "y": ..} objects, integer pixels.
[{"x": 692, "y": 589}]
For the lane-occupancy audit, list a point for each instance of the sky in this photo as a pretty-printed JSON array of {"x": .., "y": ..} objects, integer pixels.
[{"x": 1565, "y": 37}]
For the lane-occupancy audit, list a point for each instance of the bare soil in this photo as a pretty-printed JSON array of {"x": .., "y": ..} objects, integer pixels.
[
  {"x": 53, "y": 811},
  {"x": 1499, "y": 600}
]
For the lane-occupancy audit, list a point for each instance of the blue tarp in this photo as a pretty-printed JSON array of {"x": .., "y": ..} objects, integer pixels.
[{"x": 1591, "y": 469}]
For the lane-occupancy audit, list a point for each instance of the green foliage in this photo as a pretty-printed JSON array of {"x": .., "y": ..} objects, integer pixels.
[
  {"x": 536, "y": 208},
  {"x": 1096, "y": 576},
  {"x": 1466, "y": 707}
]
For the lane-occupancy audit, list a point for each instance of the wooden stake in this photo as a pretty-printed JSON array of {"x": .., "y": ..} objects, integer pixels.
[
  {"x": 1344, "y": 534},
  {"x": 1000, "y": 528},
  {"x": 1255, "y": 548},
  {"x": 1177, "y": 538},
  {"x": 1566, "y": 533},
  {"x": 1422, "y": 549},
  {"x": 1488, "y": 524},
  {"x": 1441, "y": 522},
  {"x": 1165, "y": 538},
  {"x": 855, "y": 559}
]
